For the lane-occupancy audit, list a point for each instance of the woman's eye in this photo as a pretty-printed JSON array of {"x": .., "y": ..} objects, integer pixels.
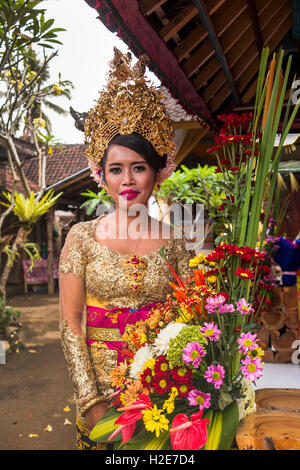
[
  {"x": 115, "y": 170},
  {"x": 139, "y": 168}
]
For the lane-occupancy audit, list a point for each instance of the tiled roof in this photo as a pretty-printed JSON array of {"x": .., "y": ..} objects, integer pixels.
[{"x": 61, "y": 164}]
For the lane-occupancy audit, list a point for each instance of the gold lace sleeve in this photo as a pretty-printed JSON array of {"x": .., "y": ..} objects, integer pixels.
[
  {"x": 72, "y": 259},
  {"x": 72, "y": 300}
]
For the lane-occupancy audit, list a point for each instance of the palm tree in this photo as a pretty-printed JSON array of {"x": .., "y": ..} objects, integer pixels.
[{"x": 47, "y": 92}]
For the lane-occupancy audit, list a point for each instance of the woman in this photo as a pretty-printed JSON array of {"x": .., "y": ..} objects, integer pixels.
[{"x": 106, "y": 264}]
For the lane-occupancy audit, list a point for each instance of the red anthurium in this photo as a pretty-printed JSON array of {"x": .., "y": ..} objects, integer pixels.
[
  {"x": 128, "y": 419},
  {"x": 189, "y": 434}
]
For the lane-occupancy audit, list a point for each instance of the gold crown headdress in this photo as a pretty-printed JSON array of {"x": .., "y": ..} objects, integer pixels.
[{"x": 127, "y": 104}]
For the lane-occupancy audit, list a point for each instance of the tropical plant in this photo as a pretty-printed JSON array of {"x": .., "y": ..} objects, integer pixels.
[
  {"x": 95, "y": 199},
  {"x": 29, "y": 210}
]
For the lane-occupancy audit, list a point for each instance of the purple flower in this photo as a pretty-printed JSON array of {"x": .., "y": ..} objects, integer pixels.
[
  {"x": 193, "y": 353},
  {"x": 195, "y": 398},
  {"x": 215, "y": 375}
]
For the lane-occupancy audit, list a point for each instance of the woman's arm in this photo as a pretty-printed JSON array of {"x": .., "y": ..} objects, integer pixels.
[{"x": 72, "y": 300}]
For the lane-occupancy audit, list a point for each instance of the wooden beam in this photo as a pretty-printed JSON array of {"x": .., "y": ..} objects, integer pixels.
[
  {"x": 202, "y": 78},
  {"x": 210, "y": 91},
  {"x": 207, "y": 23},
  {"x": 240, "y": 26},
  {"x": 149, "y": 6},
  {"x": 198, "y": 59},
  {"x": 252, "y": 88},
  {"x": 222, "y": 94},
  {"x": 187, "y": 125},
  {"x": 178, "y": 22},
  {"x": 255, "y": 25},
  {"x": 189, "y": 43},
  {"x": 197, "y": 35},
  {"x": 273, "y": 37}
]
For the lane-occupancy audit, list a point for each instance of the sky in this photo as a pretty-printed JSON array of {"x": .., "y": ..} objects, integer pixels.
[{"x": 83, "y": 58}]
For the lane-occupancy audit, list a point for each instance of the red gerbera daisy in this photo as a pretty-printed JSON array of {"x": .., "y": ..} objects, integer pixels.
[{"x": 245, "y": 273}]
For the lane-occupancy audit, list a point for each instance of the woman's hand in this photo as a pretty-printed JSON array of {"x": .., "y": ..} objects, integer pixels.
[{"x": 94, "y": 414}]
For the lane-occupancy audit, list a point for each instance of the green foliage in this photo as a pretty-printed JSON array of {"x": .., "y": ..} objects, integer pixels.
[
  {"x": 22, "y": 23},
  {"x": 29, "y": 210},
  {"x": 94, "y": 199},
  {"x": 7, "y": 316},
  {"x": 197, "y": 185}
]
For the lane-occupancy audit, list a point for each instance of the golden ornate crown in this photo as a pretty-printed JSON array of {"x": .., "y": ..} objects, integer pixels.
[{"x": 128, "y": 104}]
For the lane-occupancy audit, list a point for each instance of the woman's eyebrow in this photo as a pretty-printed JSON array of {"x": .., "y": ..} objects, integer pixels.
[{"x": 132, "y": 163}]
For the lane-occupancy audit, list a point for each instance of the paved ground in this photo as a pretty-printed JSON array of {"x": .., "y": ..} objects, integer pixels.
[{"x": 35, "y": 386}]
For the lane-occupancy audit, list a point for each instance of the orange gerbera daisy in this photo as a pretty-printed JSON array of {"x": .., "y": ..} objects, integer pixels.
[{"x": 118, "y": 375}]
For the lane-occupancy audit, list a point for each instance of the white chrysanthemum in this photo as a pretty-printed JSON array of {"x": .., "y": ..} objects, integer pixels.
[
  {"x": 141, "y": 356},
  {"x": 247, "y": 404},
  {"x": 161, "y": 344}
]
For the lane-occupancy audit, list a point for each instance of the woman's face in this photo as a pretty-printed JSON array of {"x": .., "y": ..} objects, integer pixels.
[{"x": 129, "y": 178}]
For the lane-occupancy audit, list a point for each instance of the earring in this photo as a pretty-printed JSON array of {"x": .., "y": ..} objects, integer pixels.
[{"x": 157, "y": 187}]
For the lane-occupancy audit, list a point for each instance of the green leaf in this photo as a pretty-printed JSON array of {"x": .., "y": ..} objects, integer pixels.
[
  {"x": 105, "y": 427},
  {"x": 146, "y": 440}
]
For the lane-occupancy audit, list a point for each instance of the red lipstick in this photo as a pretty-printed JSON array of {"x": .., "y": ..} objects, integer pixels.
[{"x": 129, "y": 193}]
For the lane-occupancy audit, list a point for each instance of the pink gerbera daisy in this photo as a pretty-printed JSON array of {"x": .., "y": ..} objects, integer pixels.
[
  {"x": 211, "y": 331},
  {"x": 213, "y": 303},
  {"x": 243, "y": 307},
  {"x": 195, "y": 398},
  {"x": 247, "y": 342},
  {"x": 193, "y": 353},
  {"x": 252, "y": 368},
  {"x": 215, "y": 375},
  {"x": 226, "y": 308}
]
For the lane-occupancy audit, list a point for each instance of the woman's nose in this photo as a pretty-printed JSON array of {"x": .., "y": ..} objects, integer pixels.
[{"x": 127, "y": 176}]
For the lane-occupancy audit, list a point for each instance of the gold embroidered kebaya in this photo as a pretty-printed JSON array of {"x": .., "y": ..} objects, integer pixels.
[{"x": 101, "y": 276}]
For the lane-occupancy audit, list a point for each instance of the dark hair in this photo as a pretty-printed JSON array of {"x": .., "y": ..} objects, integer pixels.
[{"x": 140, "y": 145}]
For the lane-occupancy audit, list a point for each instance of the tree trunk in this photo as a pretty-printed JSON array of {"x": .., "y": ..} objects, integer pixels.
[
  {"x": 18, "y": 243},
  {"x": 273, "y": 319},
  {"x": 276, "y": 423},
  {"x": 50, "y": 220}
]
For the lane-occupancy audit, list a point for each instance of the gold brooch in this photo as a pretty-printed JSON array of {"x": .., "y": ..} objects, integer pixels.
[{"x": 135, "y": 270}]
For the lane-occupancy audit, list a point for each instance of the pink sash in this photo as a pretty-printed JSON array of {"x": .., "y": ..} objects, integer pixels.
[{"x": 109, "y": 325}]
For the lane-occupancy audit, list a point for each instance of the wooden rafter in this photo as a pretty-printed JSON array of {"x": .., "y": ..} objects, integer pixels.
[
  {"x": 197, "y": 35},
  {"x": 243, "y": 35},
  {"x": 272, "y": 34},
  {"x": 284, "y": 28},
  {"x": 255, "y": 24},
  {"x": 206, "y": 20},
  {"x": 149, "y": 6},
  {"x": 198, "y": 59},
  {"x": 179, "y": 21}
]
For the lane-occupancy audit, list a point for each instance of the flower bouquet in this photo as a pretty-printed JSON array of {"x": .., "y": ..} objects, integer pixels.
[
  {"x": 193, "y": 358},
  {"x": 192, "y": 361}
]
